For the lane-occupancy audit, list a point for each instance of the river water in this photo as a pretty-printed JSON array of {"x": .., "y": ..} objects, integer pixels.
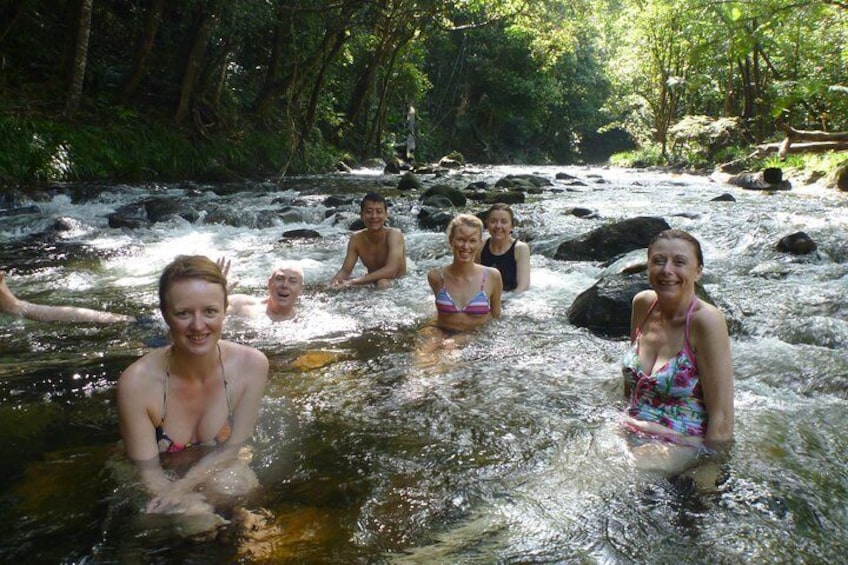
[{"x": 373, "y": 448}]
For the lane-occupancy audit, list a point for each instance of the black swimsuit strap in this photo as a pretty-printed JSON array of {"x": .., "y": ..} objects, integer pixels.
[
  {"x": 168, "y": 380},
  {"x": 226, "y": 385}
]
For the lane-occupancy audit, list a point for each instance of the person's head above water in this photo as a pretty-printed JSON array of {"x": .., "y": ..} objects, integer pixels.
[
  {"x": 285, "y": 286},
  {"x": 464, "y": 221},
  {"x": 190, "y": 267},
  {"x": 373, "y": 198},
  {"x": 671, "y": 234}
]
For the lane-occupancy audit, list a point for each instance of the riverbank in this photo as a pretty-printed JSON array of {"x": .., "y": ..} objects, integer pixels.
[
  {"x": 38, "y": 151},
  {"x": 34, "y": 151}
]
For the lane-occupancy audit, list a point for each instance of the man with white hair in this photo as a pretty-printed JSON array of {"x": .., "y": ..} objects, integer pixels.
[{"x": 284, "y": 287}]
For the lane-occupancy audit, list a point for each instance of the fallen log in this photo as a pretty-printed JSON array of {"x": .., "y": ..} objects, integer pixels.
[
  {"x": 770, "y": 178},
  {"x": 783, "y": 149},
  {"x": 813, "y": 134},
  {"x": 813, "y": 141}
]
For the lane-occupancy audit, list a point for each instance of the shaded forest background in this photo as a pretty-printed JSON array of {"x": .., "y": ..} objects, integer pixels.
[{"x": 150, "y": 89}]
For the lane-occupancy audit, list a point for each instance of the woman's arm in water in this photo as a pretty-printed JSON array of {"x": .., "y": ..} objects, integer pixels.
[
  {"x": 10, "y": 304},
  {"x": 251, "y": 366},
  {"x": 713, "y": 357},
  {"x": 138, "y": 430}
]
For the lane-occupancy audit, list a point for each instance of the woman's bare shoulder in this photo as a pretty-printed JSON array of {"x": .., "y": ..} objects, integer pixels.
[
  {"x": 241, "y": 352},
  {"x": 644, "y": 298},
  {"x": 245, "y": 360},
  {"x": 142, "y": 372},
  {"x": 492, "y": 273},
  {"x": 707, "y": 317}
]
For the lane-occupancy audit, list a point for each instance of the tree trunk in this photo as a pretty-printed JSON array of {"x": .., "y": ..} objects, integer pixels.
[
  {"x": 10, "y": 16},
  {"x": 207, "y": 22},
  {"x": 80, "y": 59},
  {"x": 282, "y": 36},
  {"x": 309, "y": 120},
  {"x": 143, "y": 51},
  {"x": 376, "y": 133},
  {"x": 363, "y": 91}
]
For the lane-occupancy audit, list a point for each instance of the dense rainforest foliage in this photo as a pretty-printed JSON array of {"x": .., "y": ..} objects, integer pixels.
[{"x": 150, "y": 89}]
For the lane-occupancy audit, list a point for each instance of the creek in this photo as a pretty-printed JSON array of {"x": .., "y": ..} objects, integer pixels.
[{"x": 505, "y": 449}]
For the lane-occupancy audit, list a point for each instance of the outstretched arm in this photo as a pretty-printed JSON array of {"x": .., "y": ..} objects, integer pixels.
[
  {"x": 11, "y": 304},
  {"x": 347, "y": 266},
  {"x": 395, "y": 262}
]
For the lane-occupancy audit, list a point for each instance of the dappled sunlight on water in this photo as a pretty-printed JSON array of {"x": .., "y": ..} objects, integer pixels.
[{"x": 384, "y": 440}]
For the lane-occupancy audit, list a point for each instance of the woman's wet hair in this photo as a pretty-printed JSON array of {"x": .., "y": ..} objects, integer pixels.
[
  {"x": 465, "y": 220},
  {"x": 501, "y": 206},
  {"x": 680, "y": 234},
  {"x": 190, "y": 267}
]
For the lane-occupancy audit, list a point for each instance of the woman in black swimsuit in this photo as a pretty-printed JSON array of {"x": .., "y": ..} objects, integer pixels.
[{"x": 502, "y": 251}]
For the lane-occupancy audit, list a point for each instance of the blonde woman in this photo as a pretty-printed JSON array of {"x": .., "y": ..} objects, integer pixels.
[{"x": 467, "y": 294}]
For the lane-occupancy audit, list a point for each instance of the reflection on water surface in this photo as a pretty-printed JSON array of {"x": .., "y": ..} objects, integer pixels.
[{"x": 374, "y": 446}]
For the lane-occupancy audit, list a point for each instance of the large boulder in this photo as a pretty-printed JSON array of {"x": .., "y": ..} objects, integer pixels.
[
  {"x": 798, "y": 243},
  {"x": 453, "y": 160},
  {"x": 838, "y": 179},
  {"x": 455, "y": 195},
  {"x": 431, "y": 219},
  {"x": 408, "y": 181},
  {"x": 508, "y": 197},
  {"x": 610, "y": 241},
  {"x": 523, "y": 182},
  {"x": 604, "y": 308},
  {"x": 302, "y": 233},
  {"x": 163, "y": 209},
  {"x": 437, "y": 201},
  {"x": 129, "y": 216},
  {"x": 770, "y": 178}
]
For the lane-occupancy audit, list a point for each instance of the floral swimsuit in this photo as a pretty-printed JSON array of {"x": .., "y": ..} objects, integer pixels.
[{"x": 672, "y": 395}]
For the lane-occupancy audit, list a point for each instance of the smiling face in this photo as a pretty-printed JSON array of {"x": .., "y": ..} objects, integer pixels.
[
  {"x": 194, "y": 311},
  {"x": 284, "y": 286},
  {"x": 673, "y": 266},
  {"x": 374, "y": 215},
  {"x": 464, "y": 241},
  {"x": 499, "y": 224}
]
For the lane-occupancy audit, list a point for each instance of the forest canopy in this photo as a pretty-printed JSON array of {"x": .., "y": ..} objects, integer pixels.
[{"x": 98, "y": 88}]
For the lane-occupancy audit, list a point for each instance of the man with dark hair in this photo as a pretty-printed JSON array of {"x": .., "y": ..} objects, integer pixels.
[{"x": 382, "y": 249}]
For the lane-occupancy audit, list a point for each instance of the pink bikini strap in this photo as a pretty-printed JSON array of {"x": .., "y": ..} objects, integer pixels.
[
  {"x": 686, "y": 328},
  {"x": 648, "y": 315}
]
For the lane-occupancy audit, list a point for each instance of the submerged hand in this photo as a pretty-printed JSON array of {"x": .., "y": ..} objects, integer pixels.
[{"x": 178, "y": 503}]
